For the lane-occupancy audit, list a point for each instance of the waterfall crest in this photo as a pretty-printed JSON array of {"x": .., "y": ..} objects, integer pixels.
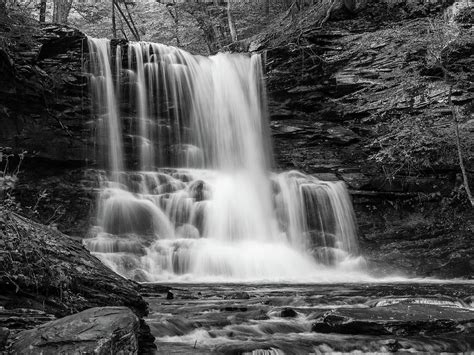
[{"x": 188, "y": 193}]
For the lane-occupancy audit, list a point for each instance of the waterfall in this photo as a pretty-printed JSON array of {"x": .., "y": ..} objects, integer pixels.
[{"x": 187, "y": 192}]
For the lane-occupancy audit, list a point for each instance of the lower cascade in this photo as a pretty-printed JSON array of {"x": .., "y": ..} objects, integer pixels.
[{"x": 187, "y": 193}]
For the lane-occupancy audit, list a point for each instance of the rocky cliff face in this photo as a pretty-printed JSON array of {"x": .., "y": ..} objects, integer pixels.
[
  {"x": 44, "y": 109},
  {"x": 335, "y": 94},
  {"x": 357, "y": 100},
  {"x": 44, "y": 104}
]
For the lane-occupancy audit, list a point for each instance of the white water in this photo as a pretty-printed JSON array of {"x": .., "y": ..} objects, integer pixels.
[{"x": 188, "y": 194}]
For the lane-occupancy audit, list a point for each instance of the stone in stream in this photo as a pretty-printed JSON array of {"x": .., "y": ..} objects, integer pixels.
[
  {"x": 100, "y": 330},
  {"x": 238, "y": 296},
  {"x": 288, "y": 313},
  {"x": 398, "y": 319}
]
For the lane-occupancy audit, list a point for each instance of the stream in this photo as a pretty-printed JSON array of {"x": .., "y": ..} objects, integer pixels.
[{"x": 279, "y": 318}]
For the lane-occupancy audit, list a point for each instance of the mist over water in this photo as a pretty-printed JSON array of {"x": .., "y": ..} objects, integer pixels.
[{"x": 188, "y": 193}]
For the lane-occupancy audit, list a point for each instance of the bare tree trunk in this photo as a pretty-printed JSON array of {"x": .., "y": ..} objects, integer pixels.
[
  {"x": 233, "y": 32},
  {"x": 206, "y": 25},
  {"x": 175, "y": 18},
  {"x": 55, "y": 11},
  {"x": 137, "y": 34},
  {"x": 42, "y": 11},
  {"x": 132, "y": 29},
  {"x": 458, "y": 145},
  {"x": 114, "y": 26},
  {"x": 61, "y": 10},
  {"x": 266, "y": 7}
]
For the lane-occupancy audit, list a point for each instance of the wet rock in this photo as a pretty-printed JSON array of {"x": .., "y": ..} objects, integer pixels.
[
  {"x": 173, "y": 327},
  {"x": 400, "y": 319},
  {"x": 48, "y": 271},
  {"x": 4, "y": 334},
  {"x": 355, "y": 180},
  {"x": 234, "y": 309},
  {"x": 17, "y": 319},
  {"x": 100, "y": 330},
  {"x": 443, "y": 301},
  {"x": 326, "y": 176},
  {"x": 288, "y": 313},
  {"x": 139, "y": 275},
  {"x": 187, "y": 231},
  {"x": 198, "y": 190},
  {"x": 281, "y": 114},
  {"x": 469, "y": 301},
  {"x": 342, "y": 135},
  {"x": 238, "y": 296},
  {"x": 124, "y": 214},
  {"x": 286, "y": 130},
  {"x": 244, "y": 317}
]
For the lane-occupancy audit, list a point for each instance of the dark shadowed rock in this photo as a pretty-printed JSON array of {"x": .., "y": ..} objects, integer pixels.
[
  {"x": 399, "y": 319},
  {"x": 288, "y": 313},
  {"x": 17, "y": 319},
  {"x": 44, "y": 273},
  {"x": 44, "y": 269},
  {"x": 105, "y": 330},
  {"x": 4, "y": 333}
]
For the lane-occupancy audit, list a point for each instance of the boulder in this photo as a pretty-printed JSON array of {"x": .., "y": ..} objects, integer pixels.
[
  {"x": 288, "y": 313},
  {"x": 44, "y": 269},
  {"x": 100, "y": 330},
  {"x": 46, "y": 274}
]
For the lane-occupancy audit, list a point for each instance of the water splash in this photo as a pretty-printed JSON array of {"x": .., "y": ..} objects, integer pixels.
[{"x": 197, "y": 200}]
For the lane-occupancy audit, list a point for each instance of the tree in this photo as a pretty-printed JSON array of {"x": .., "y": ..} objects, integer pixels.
[
  {"x": 444, "y": 36},
  {"x": 42, "y": 11},
  {"x": 61, "y": 9},
  {"x": 233, "y": 31},
  {"x": 172, "y": 10},
  {"x": 266, "y": 7}
]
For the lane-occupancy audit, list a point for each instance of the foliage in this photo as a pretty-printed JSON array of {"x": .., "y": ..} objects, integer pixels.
[
  {"x": 410, "y": 145},
  {"x": 24, "y": 263},
  {"x": 15, "y": 8},
  {"x": 420, "y": 136},
  {"x": 16, "y": 22},
  {"x": 197, "y": 27},
  {"x": 33, "y": 270},
  {"x": 8, "y": 178}
]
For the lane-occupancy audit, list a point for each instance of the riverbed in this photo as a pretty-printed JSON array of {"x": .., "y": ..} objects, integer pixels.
[{"x": 426, "y": 316}]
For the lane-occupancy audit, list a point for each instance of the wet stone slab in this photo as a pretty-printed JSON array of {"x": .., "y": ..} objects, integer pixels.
[
  {"x": 397, "y": 319},
  {"x": 100, "y": 330}
]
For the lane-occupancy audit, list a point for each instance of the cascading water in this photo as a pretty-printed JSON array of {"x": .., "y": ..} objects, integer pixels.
[{"x": 188, "y": 194}]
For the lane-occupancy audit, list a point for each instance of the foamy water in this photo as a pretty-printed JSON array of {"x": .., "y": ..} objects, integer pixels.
[{"x": 188, "y": 193}]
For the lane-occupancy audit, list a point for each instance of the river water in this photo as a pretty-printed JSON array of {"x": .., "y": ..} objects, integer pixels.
[{"x": 248, "y": 318}]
